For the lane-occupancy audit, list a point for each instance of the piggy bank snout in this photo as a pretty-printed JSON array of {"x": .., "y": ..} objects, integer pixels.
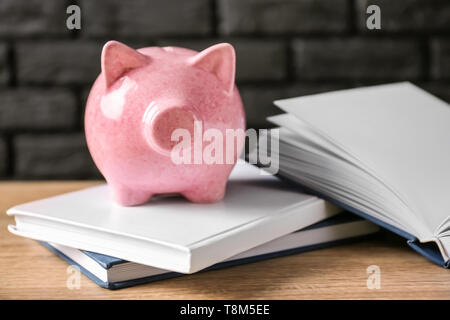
[{"x": 163, "y": 124}]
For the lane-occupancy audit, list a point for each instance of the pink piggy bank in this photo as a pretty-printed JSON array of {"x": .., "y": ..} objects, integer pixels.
[{"x": 159, "y": 120}]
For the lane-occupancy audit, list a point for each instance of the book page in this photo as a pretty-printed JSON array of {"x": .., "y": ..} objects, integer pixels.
[{"x": 398, "y": 132}]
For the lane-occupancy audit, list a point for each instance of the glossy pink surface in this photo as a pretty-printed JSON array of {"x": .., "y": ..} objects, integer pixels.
[{"x": 137, "y": 101}]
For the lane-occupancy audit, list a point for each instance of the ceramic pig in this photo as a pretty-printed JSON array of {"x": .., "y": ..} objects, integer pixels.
[{"x": 140, "y": 98}]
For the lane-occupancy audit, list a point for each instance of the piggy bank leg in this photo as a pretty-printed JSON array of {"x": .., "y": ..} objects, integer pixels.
[
  {"x": 125, "y": 196},
  {"x": 206, "y": 193}
]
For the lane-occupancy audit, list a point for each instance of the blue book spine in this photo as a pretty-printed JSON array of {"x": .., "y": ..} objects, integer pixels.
[
  {"x": 168, "y": 275},
  {"x": 429, "y": 251}
]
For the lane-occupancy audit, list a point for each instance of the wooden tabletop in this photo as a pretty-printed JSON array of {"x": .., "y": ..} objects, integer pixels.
[{"x": 30, "y": 271}]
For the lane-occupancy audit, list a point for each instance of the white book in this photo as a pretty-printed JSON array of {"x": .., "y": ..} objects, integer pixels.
[
  {"x": 169, "y": 232},
  {"x": 383, "y": 151},
  {"x": 112, "y": 273}
]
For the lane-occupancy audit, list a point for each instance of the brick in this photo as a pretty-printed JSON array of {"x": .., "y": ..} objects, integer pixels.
[
  {"x": 357, "y": 58},
  {"x": 440, "y": 55},
  {"x": 283, "y": 16},
  {"x": 32, "y": 17},
  {"x": 407, "y": 15},
  {"x": 3, "y": 157},
  {"x": 258, "y": 100},
  {"x": 260, "y": 60},
  {"x": 62, "y": 62},
  {"x": 256, "y": 60},
  {"x": 4, "y": 73},
  {"x": 61, "y": 156},
  {"x": 258, "y": 103},
  {"x": 146, "y": 18},
  {"x": 84, "y": 97},
  {"x": 35, "y": 109}
]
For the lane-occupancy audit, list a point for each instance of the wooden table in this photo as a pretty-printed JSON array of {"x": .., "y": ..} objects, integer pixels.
[{"x": 30, "y": 271}]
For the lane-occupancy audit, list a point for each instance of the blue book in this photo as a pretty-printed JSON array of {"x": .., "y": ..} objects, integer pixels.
[
  {"x": 114, "y": 273},
  {"x": 381, "y": 152}
]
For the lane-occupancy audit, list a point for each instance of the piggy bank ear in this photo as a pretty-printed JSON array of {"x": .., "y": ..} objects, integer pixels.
[
  {"x": 220, "y": 60},
  {"x": 118, "y": 58}
]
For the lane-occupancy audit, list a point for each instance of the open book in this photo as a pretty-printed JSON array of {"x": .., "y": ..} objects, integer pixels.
[{"x": 382, "y": 152}]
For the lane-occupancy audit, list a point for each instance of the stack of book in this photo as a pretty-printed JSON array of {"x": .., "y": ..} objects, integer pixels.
[
  {"x": 377, "y": 155},
  {"x": 260, "y": 217}
]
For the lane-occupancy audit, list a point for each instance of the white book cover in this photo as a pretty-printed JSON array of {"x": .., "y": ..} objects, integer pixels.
[{"x": 170, "y": 232}]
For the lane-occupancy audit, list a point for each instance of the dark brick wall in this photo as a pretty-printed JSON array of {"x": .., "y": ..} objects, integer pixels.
[{"x": 284, "y": 48}]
